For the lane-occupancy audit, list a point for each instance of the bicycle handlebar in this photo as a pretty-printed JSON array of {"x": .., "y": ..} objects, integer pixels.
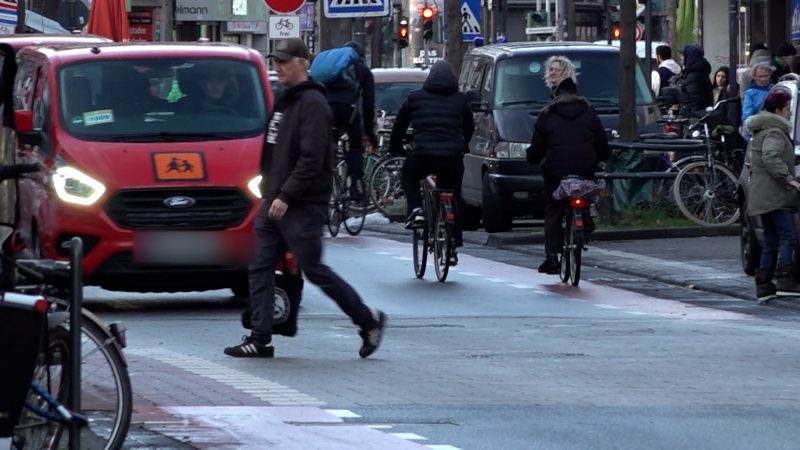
[
  {"x": 13, "y": 171},
  {"x": 713, "y": 109}
]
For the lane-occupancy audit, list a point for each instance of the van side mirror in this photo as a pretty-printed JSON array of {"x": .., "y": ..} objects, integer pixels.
[
  {"x": 474, "y": 99},
  {"x": 23, "y": 125}
]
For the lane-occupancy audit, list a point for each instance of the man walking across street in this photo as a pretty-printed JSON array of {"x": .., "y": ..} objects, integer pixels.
[{"x": 297, "y": 171}]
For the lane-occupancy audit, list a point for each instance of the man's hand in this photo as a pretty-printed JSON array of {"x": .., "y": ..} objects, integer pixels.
[{"x": 277, "y": 209}]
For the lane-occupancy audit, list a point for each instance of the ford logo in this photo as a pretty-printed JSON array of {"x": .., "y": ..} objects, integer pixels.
[{"x": 179, "y": 201}]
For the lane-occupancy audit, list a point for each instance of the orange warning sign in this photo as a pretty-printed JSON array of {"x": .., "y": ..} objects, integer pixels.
[{"x": 179, "y": 166}]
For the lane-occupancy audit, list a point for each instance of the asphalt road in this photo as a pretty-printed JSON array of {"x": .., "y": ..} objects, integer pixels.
[{"x": 498, "y": 357}]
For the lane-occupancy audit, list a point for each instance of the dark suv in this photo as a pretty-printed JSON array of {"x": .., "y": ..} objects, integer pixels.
[{"x": 506, "y": 85}]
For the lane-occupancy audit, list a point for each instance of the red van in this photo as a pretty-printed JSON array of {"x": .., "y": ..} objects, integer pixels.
[{"x": 152, "y": 156}]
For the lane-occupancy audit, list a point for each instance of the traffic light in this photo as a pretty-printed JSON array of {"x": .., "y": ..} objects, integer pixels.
[
  {"x": 427, "y": 22},
  {"x": 402, "y": 33},
  {"x": 616, "y": 30}
]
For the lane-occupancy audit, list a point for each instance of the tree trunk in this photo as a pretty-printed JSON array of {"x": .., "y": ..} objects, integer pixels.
[
  {"x": 570, "y": 12},
  {"x": 20, "y": 17},
  {"x": 454, "y": 51},
  {"x": 672, "y": 31},
  {"x": 627, "y": 81}
]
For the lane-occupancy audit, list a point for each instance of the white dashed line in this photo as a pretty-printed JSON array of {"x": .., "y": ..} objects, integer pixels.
[
  {"x": 382, "y": 253},
  {"x": 342, "y": 413},
  {"x": 409, "y": 436},
  {"x": 521, "y": 286},
  {"x": 495, "y": 280},
  {"x": 442, "y": 447},
  {"x": 402, "y": 258},
  {"x": 607, "y": 306},
  {"x": 379, "y": 427},
  {"x": 471, "y": 274}
]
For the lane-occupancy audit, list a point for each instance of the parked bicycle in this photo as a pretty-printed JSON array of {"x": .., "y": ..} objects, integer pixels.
[
  {"x": 343, "y": 208},
  {"x": 435, "y": 234},
  {"x": 103, "y": 391}
]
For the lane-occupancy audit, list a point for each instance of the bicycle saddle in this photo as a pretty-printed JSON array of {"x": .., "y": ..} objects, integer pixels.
[{"x": 47, "y": 271}]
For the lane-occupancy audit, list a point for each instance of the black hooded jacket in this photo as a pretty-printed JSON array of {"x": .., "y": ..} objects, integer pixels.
[
  {"x": 569, "y": 137},
  {"x": 697, "y": 92},
  {"x": 439, "y": 114},
  {"x": 298, "y": 158}
]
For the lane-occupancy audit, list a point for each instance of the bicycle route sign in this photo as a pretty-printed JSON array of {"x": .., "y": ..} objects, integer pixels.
[
  {"x": 338, "y": 9},
  {"x": 284, "y": 6},
  {"x": 284, "y": 26}
]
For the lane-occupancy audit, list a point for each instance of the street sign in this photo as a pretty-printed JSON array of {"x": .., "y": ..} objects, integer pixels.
[
  {"x": 540, "y": 30},
  {"x": 338, "y": 9},
  {"x": 284, "y": 27},
  {"x": 284, "y": 6},
  {"x": 307, "y": 17},
  {"x": 470, "y": 19},
  {"x": 8, "y": 17},
  {"x": 638, "y": 32}
]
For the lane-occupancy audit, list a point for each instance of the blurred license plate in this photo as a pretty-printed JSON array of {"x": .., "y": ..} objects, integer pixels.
[{"x": 184, "y": 248}]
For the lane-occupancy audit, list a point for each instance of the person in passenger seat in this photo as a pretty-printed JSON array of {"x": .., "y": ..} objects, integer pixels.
[{"x": 570, "y": 139}]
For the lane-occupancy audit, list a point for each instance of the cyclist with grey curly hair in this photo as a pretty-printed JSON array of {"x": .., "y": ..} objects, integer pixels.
[{"x": 560, "y": 76}]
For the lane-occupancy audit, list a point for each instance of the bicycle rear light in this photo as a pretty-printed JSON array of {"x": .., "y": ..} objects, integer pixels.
[{"x": 577, "y": 203}]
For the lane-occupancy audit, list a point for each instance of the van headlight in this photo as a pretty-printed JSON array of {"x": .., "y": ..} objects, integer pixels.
[
  {"x": 74, "y": 186},
  {"x": 253, "y": 186},
  {"x": 505, "y": 149}
]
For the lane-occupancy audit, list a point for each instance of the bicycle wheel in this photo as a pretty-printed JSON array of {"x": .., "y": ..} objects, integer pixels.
[
  {"x": 442, "y": 244},
  {"x": 707, "y": 195},
  {"x": 106, "y": 398},
  {"x": 420, "y": 250},
  {"x": 575, "y": 249},
  {"x": 385, "y": 187},
  {"x": 566, "y": 265},
  {"x": 356, "y": 213},
  {"x": 334, "y": 212}
]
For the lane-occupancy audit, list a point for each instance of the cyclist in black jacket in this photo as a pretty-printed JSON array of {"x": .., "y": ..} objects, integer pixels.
[
  {"x": 442, "y": 126},
  {"x": 570, "y": 139}
]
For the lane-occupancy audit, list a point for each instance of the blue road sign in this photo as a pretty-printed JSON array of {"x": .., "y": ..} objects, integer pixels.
[
  {"x": 470, "y": 19},
  {"x": 337, "y": 9}
]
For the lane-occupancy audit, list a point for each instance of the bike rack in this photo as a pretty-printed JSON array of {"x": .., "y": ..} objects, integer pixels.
[{"x": 76, "y": 305}]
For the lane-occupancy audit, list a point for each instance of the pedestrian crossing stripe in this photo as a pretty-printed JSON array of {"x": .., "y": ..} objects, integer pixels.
[{"x": 469, "y": 25}]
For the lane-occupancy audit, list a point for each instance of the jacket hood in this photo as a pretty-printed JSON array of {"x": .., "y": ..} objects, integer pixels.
[
  {"x": 692, "y": 54},
  {"x": 566, "y": 87},
  {"x": 765, "y": 120},
  {"x": 568, "y": 105},
  {"x": 671, "y": 65},
  {"x": 441, "y": 79},
  {"x": 294, "y": 91},
  {"x": 702, "y": 66},
  {"x": 753, "y": 85}
]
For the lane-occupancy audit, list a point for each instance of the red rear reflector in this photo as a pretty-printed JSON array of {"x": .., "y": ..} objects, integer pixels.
[
  {"x": 446, "y": 196},
  {"x": 576, "y": 203},
  {"x": 451, "y": 217},
  {"x": 40, "y": 306}
]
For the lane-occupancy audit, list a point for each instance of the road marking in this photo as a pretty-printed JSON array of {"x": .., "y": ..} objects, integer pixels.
[
  {"x": 342, "y": 413},
  {"x": 409, "y": 436},
  {"x": 266, "y": 390},
  {"x": 442, "y": 447},
  {"x": 689, "y": 268},
  {"x": 495, "y": 280},
  {"x": 607, "y": 306},
  {"x": 521, "y": 286},
  {"x": 380, "y": 427},
  {"x": 402, "y": 258}
]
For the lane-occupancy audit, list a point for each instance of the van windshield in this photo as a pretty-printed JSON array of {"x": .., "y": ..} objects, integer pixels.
[
  {"x": 161, "y": 99},
  {"x": 520, "y": 80}
]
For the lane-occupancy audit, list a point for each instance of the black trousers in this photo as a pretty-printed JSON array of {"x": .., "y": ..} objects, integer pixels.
[
  {"x": 449, "y": 171},
  {"x": 554, "y": 211},
  {"x": 300, "y": 231},
  {"x": 355, "y": 155}
]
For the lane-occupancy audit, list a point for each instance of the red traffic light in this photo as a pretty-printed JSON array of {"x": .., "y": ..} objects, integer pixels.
[
  {"x": 616, "y": 33},
  {"x": 427, "y": 12},
  {"x": 403, "y": 32}
]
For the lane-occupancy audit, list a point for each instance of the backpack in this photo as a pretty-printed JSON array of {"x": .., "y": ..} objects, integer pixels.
[{"x": 335, "y": 68}]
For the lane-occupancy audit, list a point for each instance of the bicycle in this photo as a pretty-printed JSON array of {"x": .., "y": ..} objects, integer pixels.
[
  {"x": 342, "y": 208},
  {"x": 385, "y": 178},
  {"x": 103, "y": 395},
  {"x": 705, "y": 188},
  {"x": 435, "y": 235},
  {"x": 578, "y": 194}
]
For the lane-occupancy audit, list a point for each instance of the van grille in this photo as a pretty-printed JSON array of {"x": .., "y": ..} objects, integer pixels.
[{"x": 144, "y": 209}]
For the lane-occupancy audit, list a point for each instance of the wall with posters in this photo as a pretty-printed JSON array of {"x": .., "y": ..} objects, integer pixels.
[{"x": 140, "y": 24}]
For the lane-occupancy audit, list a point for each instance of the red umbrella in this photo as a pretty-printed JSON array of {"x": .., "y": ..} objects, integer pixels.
[{"x": 108, "y": 18}]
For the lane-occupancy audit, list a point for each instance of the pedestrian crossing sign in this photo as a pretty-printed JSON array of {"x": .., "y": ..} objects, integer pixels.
[
  {"x": 339, "y": 9},
  {"x": 470, "y": 19}
]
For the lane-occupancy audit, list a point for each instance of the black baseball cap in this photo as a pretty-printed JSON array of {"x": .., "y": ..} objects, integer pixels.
[{"x": 286, "y": 49}]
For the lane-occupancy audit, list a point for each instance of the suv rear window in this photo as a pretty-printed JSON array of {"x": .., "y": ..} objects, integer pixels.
[
  {"x": 161, "y": 98},
  {"x": 520, "y": 80}
]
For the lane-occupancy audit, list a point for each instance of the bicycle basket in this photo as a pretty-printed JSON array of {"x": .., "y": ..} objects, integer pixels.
[{"x": 576, "y": 187}]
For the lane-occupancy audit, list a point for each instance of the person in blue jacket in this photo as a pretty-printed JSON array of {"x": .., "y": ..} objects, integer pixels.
[{"x": 756, "y": 92}]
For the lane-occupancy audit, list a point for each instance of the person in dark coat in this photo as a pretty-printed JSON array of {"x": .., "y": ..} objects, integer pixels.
[
  {"x": 354, "y": 113},
  {"x": 782, "y": 61},
  {"x": 297, "y": 175},
  {"x": 696, "y": 90},
  {"x": 570, "y": 138},
  {"x": 442, "y": 121}
]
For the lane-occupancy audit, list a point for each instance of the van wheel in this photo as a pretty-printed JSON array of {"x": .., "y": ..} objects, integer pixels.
[
  {"x": 494, "y": 219},
  {"x": 471, "y": 218}
]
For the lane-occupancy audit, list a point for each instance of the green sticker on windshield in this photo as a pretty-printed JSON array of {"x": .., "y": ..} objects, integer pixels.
[{"x": 98, "y": 117}]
